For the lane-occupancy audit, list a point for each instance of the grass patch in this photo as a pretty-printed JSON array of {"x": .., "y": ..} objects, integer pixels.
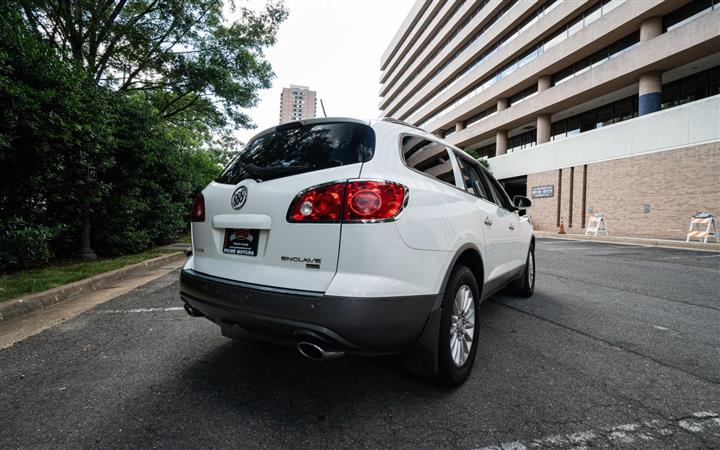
[
  {"x": 37, "y": 280},
  {"x": 184, "y": 239}
]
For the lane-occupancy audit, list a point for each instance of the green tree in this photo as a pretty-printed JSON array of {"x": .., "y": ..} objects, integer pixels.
[
  {"x": 51, "y": 129},
  {"x": 157, "y": 171},
  {"x": 181, "y": 54},
  {"x": 138, "y": 90}
]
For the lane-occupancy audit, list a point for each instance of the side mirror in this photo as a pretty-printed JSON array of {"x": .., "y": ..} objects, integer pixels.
[{"x": 521, "y": 203}]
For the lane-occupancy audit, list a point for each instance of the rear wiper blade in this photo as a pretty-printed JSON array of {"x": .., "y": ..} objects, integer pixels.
[{"x": 264, "y": 172}]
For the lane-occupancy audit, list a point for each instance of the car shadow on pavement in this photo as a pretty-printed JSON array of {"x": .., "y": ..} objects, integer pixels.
[
  {"x": 224, "y": 393},
  {"x": 267, "y": 395}
]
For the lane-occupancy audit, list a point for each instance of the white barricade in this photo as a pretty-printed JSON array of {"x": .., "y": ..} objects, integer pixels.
[
  {"x": 596, "y": 225},
  {"x": 710, "y": 230}
]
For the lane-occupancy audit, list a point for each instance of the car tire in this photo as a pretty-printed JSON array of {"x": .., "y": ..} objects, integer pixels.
[
  {"x": 459, "y": 312},
  {"x": 525, "y": 285}
]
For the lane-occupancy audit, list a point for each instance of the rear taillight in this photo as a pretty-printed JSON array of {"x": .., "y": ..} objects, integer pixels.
[
  {"x": 198, "y": 209},
  {"x": 351, "y": 201},
  {"x": 373, "y": 200},
  {"x": 318, "y": 204}
]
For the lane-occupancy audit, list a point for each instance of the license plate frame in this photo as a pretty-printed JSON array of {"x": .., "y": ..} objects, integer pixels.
[{"x": 241, "y": 241}]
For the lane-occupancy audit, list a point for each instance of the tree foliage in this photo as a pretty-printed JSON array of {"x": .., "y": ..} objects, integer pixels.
[
  {"x": 137, "y": 90},
  {"x": 181, "y": 54}
]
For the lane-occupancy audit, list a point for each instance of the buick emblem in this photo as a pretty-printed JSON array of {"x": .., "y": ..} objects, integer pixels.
[{"x": 239, "y": 197}]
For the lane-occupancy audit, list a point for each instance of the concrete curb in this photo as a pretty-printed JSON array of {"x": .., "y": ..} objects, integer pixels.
[
  {"x": 645, "y": 242},
  {"x": 23, "y": 305}
]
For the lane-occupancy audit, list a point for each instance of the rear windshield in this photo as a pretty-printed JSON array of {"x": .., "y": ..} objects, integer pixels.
[{"x": 294, "y": 149}]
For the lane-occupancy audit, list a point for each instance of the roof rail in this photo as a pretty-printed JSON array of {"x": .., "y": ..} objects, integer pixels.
[{"x": 400, "y": 122}]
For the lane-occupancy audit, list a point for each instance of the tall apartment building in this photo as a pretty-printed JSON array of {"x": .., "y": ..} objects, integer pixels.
[
  {"x": 297, "y": 103},
  {"x": 586, "y": 106}
]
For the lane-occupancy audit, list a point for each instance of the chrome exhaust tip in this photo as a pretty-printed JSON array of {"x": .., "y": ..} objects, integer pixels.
[
  {"x": 192, "y": 312},
  {"x": 316, "y": 352}
]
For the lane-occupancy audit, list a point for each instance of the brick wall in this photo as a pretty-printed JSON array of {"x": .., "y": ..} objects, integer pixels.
[
  {"x": 565, "y": 196},
  {"x": 578, "y": 214},
  {"x": 674, "y": 183},
  {"x": 543, "y": 210}
]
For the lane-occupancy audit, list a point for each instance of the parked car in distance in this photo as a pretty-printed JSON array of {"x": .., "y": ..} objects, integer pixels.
[{"x": 339, "y": 236}]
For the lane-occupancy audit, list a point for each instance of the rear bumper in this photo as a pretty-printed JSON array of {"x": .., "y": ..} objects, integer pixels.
[{"x": 362, "y": 325}]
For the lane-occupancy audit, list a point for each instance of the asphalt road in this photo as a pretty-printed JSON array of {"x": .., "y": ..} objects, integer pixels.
[{"x": 619, "y": 347}]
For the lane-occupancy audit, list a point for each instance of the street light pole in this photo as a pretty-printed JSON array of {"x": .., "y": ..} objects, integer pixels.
[{"x": 85, "y": 251}]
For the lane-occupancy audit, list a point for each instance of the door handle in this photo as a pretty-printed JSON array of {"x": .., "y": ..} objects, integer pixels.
[
  {"x": 512, "y": 227},
  {"x": 488, "y": 221}
]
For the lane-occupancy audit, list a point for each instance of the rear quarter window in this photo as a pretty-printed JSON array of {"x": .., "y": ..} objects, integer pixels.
[
  {"x": 428, "y": 157},
  {"x": 296, "y": 148}
]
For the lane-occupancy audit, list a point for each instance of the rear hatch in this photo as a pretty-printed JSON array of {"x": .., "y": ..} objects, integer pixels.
[{"x": 246, "y": 235}]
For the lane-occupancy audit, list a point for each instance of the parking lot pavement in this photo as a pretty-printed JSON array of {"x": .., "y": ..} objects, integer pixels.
[{"x": 620, "y": 346}]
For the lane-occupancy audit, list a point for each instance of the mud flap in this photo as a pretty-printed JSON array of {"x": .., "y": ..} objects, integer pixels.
[{"x": 422, "y": 358}]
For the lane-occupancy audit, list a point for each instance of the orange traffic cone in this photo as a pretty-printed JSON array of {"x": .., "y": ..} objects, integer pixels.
[{"x": 562, "y": 227}]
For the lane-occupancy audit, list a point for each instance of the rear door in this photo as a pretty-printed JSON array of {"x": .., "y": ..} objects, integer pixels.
[
  {"x": 508, "y": 228},
  {"x": 246, "y": 236},
  {"x": 491, "y": 218}
]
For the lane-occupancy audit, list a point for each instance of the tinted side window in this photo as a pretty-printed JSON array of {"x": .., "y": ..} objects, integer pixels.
[
  {"x": 428, "y": 157},
  {"x": 471, "y": 177},
  {"x": 501, "y": 198}
]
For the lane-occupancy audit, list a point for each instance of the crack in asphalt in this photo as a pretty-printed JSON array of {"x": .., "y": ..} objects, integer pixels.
[
  {"x": 613, "y": 288},
  {"x": 612, "y": 344},
  {"x": 599, "y": 382}
]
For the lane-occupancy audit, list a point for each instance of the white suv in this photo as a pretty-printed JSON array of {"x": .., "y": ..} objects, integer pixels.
[{"x": 342, "y": 236}]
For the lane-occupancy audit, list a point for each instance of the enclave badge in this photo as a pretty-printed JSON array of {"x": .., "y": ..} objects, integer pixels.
[
  {"x": 239, "y": 197},
  {"x": 301, "y": 260}
]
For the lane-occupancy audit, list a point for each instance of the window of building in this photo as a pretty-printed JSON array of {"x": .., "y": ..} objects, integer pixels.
[
  {"x": 522, "y": 140},
  {"x": 481, "y": 115},
  {"x": 448, "y": 132},
  {"x": 694, "y": 88},
  {"x": 573, "y": 126},
  {"x": 623, "y": 44},
  {"x": 486, "y": 151},
  {"x": 688, "y": 13},
  {"x": 468, "y": 43},
  {"x": 428, "y": 157},
  {"x": 562, "y": 76},
  {"x": 691, "y": 88},
  {"x": 529, "y": 56},
  {"x": 597, "y": 10},
  {"x": 604, "y": 116},
  {"x": 624, "y": 109},
  {"x": 608, "y": 6},
  {"x": 618, "y": 111},
  {"x": 592, "y": 14},
  {"x": 523, "y": 95},
  {"x": 559, "y": 130},
  {"x": 583, "y": 66},
  {"x": 588, "y": 121},
  {"x": 670, "y": 95},
  {"x": 511, "y": 34},
  {"x": 574, "y": 26},
  {"x": 714, "y": 81},
  {"x": 597, "y": 58}
]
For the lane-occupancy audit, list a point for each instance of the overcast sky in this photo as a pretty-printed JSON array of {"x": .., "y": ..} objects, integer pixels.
[{"x": 334, "y": 47}]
